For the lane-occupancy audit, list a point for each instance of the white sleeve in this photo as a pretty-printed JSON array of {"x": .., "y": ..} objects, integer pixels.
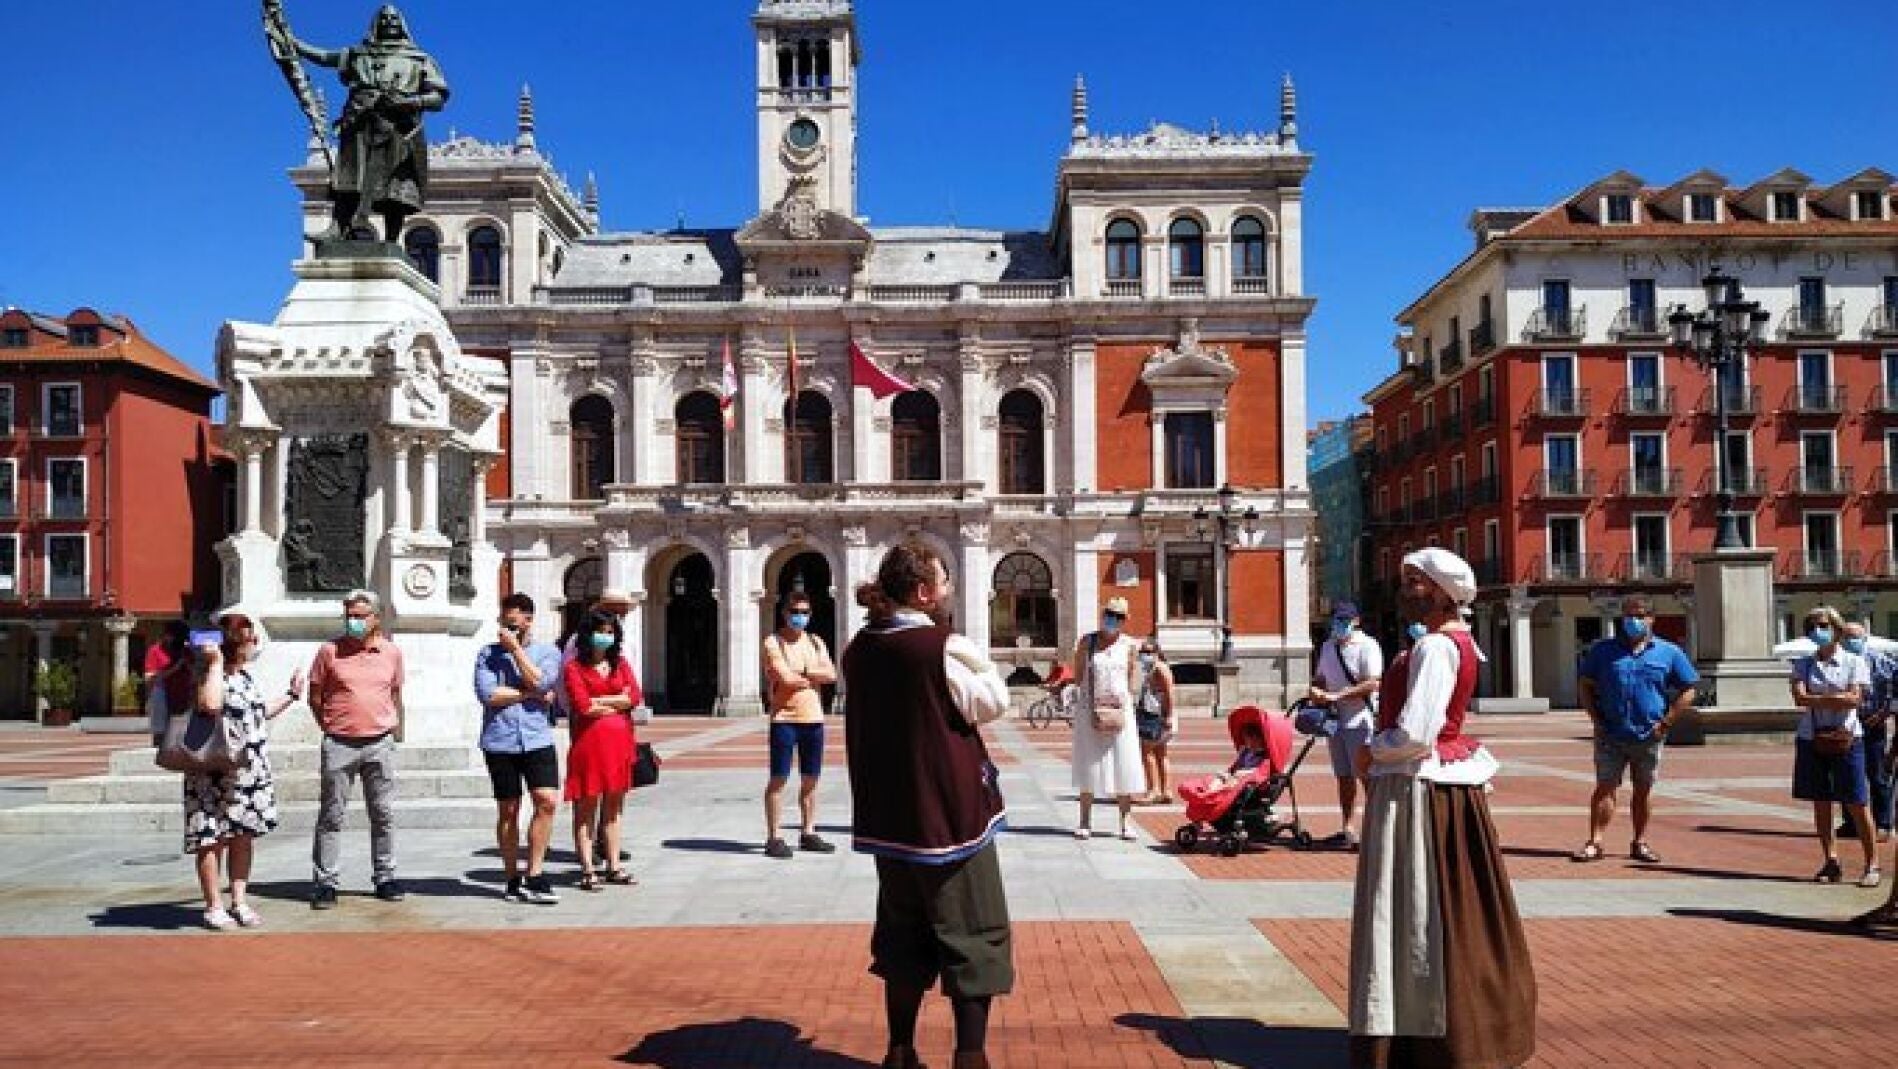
[
  {"x": 980, "y": 693},
  {"x": 1373, "y": 666},
  {"x": 1433, "y": 665}
]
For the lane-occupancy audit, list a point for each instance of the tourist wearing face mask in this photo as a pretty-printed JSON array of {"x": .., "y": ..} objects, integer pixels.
[
  {"x": 1155, "y": 720},
  {"x": 356, "y": 696},
  {"x": 1106, "y": 755},
  {"x": 797, "y": 666},
  {"x": 515, "y": 680},
  {"x": 602, "y": 692},
  {"x": 1874, "y": 716},
  {"x": 1350, "y": 667},
  {"x": 1830, "y": 684},
  {"x": 1625, "y": 683},
  {"x": 227, "y": 812}
]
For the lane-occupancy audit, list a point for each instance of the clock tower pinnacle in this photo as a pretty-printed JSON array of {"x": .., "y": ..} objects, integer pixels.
[{"x": 807, "y": 102}]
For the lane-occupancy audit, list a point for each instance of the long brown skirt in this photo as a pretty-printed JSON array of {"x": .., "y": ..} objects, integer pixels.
[{"x": 1489, "y": 980}]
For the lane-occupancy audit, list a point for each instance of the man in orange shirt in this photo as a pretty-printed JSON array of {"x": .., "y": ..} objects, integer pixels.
[
  {"x": 796, "y": 664},
  {"x": 356, "y": 696}
]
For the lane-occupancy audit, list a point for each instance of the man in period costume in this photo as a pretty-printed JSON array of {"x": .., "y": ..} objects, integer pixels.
[{"x": 1440, "y": 969}]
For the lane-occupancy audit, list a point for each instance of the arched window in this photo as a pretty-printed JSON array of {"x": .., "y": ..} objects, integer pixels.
[
  {"x": 590, "y": 422},
  {"x": 1123, "y": 249},
  {"x": 583, "y": 584},
  {"x": 424, "y": 247},
  {"x": 1024, "y": 603},
  {"x": 1186, "y": 249},
  {"x": 701, "y": 441},
  {"x": 1021, "y": 453},
  {"x": 1248, "y": 248},
  {"x": 807, "y": 432},
  {"x": 484, "y": 259},
  {"x": 916, "y": 437}
]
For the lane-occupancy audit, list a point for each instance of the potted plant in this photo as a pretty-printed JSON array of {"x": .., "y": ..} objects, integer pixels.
[
  {"x": 57, "y": 683},
  {"x": 128, "y": 700}
]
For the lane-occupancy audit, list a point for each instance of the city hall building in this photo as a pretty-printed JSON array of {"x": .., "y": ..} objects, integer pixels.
[{"x": 688, "y": 418}]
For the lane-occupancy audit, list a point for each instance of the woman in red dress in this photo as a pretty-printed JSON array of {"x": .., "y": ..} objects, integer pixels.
[{"x": 602, "y": 693}]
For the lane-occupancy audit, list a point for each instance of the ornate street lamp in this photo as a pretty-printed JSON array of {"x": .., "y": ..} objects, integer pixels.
[
  {"x": 1718, "y": 338},
  {"x": 1217, "y": 528}
]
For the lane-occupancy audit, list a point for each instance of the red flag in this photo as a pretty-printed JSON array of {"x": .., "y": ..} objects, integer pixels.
[
  {"x": 864, "y": 372},
  {"x": 728, "y": 387}
]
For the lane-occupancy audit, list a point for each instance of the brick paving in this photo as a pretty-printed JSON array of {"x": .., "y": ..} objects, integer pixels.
[{"x": 34, "y": 755}]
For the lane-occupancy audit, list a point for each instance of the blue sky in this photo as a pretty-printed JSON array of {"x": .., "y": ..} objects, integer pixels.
[{"x": 146, "y": 143}]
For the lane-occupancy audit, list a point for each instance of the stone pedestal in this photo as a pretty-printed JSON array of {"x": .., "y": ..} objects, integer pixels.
[{"x": 1733, "y": 623}]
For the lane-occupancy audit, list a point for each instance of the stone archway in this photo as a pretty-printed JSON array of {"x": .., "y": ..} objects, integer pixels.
[{"x": 691, "y": 615}]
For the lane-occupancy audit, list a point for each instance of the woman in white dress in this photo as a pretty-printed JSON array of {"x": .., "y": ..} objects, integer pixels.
[{"x": 1106, "y": 757}]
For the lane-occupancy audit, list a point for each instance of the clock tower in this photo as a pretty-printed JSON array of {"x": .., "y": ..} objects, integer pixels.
[{"x": 807, "y": 103}]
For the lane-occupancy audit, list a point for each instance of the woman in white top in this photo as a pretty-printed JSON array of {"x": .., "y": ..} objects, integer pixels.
[
  {"x": 1829, "y": 684},
  {"x": 1106, "y": 756}
]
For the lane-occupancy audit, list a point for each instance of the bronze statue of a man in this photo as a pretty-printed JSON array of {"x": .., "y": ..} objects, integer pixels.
[{"x": 383, "y": 165}]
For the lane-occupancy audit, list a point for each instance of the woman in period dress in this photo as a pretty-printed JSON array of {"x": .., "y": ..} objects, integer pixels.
[
  {"x": 1106, "y": 762},
  {"x": 227, "y": 812},
  {"x": 1440, "y": 969},
  {"x": 601, "y": 696}
]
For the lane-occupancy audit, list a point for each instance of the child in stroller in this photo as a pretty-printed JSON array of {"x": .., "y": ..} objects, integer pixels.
[{"x": 1230, "y": 810}]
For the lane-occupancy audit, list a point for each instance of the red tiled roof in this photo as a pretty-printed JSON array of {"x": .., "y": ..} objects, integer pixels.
[{"x": 49, "y": 342}]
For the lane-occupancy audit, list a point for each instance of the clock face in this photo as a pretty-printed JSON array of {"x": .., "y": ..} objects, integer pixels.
[{"x": 803, "y": 135}]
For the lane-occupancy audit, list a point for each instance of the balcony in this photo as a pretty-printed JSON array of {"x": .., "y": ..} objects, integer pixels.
[
  {"x": 1421, "y": 372},
  {"x": 1424, "y": 510},
  {"x": 64, "y": 507},
  {"x": 1557, "y": 324},
  {"x": 1450, "y": 357},
  {"x": 912, "y": 294},
  {"x": 1825, "y": 481},
  {"x": 1123, "y": 287},
  {"x": 1815, "y": 399},
  {"x": 1884, "y": 564},
  {"x": 1822, "y": 566},
  {"x": 1883, "y": 322},
  {"x": 1654, "y": 568},
  {"x": 1452, "y": 501},
  {"x": 1650, "y": 482},
  {"x": 1562, "y": 404},
  {"x": 1645, "y": 402},
  {"x": 1741, "y": 401},
  {"x": 1562, "y": 485},
  {"x": 1482, "y": 339},
  {"x": 1743, "y": 482},
  {"x": 1483, "y": 412},
  {"x": 1637, "y": 322},
  {"x": 1813, "y": 321},
  {"x": 1567, "y": 568},
  {"x": 1486, "y": 491},
  {"x": 482, "y": 296},
  {"x": 1186, "y": 286},
  {"x": 1885, "y": 400},
  {"x": 1252, "y": 287}
]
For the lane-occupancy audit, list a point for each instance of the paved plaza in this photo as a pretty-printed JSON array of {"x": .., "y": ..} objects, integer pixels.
[{"x": 1129, "y": 954}]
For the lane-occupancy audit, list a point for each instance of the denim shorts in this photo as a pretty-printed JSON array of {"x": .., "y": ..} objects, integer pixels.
[
  {"x": 808, "y": 742},
  {"x": 1639, "y": 759},
  {"x": 1344, "y": 745},
  {"x": 1817, "y": 778}
]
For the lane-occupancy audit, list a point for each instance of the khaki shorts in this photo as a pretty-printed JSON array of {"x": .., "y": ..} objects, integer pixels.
[
  {"x": 1638, "y": 758},
  {"x": 948, "y": 921}
]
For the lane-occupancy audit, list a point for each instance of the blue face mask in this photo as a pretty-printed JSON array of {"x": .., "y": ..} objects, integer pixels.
[
  {"x": 1416, "y": 632},
  {"x": 601, "y": 641},
  {"x": 1110, "y": 624},
  {"x": 356, "y": 629},
  {"x": 1634, "y": 628},
  {"x": 1820, "y": 636},
  {"x": 799, "y": 620},
  {"x": 1340, "y": 628},
  {"x": 1854, "y": 645}
]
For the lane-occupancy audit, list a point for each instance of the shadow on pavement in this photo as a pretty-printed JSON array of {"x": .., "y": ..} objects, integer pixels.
[
  {"x": 1244, "y": 1043},
  {"x": 151, "y": 916},
  {"x": 1816, "y": 925},
  {"x": 1722, "y": 874},
  {"x": 426, "y": 887},
  {"x": 713, "y": 846},
  {"x": 1776, "y": 833},
  {"x": 747, "y": 1041}
]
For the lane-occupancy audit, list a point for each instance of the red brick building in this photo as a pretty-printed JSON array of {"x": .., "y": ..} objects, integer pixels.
[
  {"x": 1541, "y": 423},
  {"x": 110, "y": 501}
]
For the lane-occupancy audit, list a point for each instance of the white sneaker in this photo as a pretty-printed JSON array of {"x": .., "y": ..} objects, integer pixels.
[
  {"x": 1127, "y": 833},
  {"x": 1871, "y": 877},
  {"x": 219, "y": 919},
  {"x": 247, "y": 916}
]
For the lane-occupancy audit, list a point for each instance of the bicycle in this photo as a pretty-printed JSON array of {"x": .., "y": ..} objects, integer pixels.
[{"x": 1056, "y": 706}]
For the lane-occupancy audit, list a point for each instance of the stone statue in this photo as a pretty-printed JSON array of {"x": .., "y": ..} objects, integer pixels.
[{"x": 383, "y": 163}]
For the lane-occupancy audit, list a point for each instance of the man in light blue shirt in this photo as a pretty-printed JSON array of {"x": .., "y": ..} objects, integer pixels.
[
  {"x": 516, "y": 682},
  {"x": 1634, "y": 686}
]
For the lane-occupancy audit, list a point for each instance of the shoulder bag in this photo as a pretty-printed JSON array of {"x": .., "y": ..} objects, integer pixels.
[
  {"x": 203, "y": 742},
  {"x": 1109, "y": 716},
  {"x": 645, "y": 765}
]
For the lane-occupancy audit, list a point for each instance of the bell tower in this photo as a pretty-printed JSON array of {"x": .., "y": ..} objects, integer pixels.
[{"x": 807, "y": 102}]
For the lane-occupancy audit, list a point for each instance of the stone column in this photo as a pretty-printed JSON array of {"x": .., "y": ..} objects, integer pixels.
[
  {"x": 738, "y": 608},
  {"x": 639, "y": 469},
  {"x": 253, "y": 482},
  {"x": 1081, "y": 430},
  {"x": 42, "y": 656},
  {"x": 975, "y": 580},
  {"x": 1156, "y": 441},
  {"x": 527, "y": 425},
  {"x": 862, "y": 438},
  {"x": 859, "y": 566},
  {"x": 397, "y": 487},
  {"x": 120, "y": 628},
  {"x": 431, "y": 520},
  {"x": 478, "y": 502},
  {"x": 969, "y": 391},
  {"x": 752, "y": 406},
  {"x": 1521, "y": 658},
  {"x": 1220, "y": 467},
  {"x": 1293, "y": 454},
  {"x": 277, "y": 488}
]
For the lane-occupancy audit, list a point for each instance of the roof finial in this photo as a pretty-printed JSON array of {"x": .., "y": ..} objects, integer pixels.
[
  {"x": 1288, "y": 110},
  {"x": 1079, "y": 110},
  {"x": 524, "y": 121},
  {"x": 590, "y": 199}
]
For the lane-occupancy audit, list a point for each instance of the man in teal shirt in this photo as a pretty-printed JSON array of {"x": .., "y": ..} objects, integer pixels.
[{"x": 1634, "y": 686}]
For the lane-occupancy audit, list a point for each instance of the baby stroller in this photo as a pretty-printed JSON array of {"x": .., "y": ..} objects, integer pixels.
[{"x": 1227, "y": 813}]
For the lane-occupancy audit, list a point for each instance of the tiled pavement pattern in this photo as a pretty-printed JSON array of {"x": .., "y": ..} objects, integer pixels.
[{"x": 1130, "y": 955}]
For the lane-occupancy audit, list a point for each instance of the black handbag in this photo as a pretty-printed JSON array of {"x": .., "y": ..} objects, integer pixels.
[{"x": 645, "y": 765}]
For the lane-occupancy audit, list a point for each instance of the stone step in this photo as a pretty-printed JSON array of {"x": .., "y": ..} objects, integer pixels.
[
  {"x": 441, "y": 757},
  {"x": 165, "y": 787},
  {"x": 92, "y": 819}
]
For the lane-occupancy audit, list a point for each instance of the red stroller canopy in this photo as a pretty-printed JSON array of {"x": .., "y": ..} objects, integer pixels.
[{"x": 1276, "y": 727}]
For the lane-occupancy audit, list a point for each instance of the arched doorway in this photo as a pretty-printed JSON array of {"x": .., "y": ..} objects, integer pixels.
[
  {"x": 691, "y": 684},
  {"x": 808, "y": 573},
  {"x": 578, "y": 591}
]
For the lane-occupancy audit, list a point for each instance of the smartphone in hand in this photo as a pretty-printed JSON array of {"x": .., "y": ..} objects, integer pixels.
[{"x": 211, "y": 637}]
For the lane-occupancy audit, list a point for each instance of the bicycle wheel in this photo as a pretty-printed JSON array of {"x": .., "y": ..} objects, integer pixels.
[{"x": 1041, "y": 714}]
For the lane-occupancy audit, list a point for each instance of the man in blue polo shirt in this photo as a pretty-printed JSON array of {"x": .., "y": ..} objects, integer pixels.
[
  {"x": 515, "y": 679},
  {"x": 1634, "y": 686}
]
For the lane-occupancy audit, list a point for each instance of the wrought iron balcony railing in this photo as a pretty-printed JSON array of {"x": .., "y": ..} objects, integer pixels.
[
  {"x": 1557, "y": 324},
  {"x": 1562, "y": 404},
  {"x": 1567, "y": 568},
  {"x": 1813, "y": 321},
  {"x": 1741, "y": 400},
  {"x": 1741, "y": 482},
  {"x": 1646, "y": 401},
  {"x": 1654, "y": 568},
  {"x": 1483, "y": 412},
  {"x": 1486, "y": 490},
  {"x": 1650, "y": 482},
  {"x": 1816, "y": 399},
  {"x": 1883, "y": 322},
  {"x": 1563, "y": 483},
  {"x": 1821, "y": 479},
  {"x": 1829, "y": 564},
  {"x": 1638, "y": 321},
  {"x": 1450, "y": 357},
  {"x": 1482, "y": 338}
]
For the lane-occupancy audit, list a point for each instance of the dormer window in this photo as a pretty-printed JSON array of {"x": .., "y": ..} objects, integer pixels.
[
  {"x": 82, "y": 336},
  {"x": 1785, "y": 206},
  {"x": 13, "y": 338},
  {"x": 1619, "y": 208},
  {"x": 1868, "y": 204},
  {"x": 1703, "y": 208}
]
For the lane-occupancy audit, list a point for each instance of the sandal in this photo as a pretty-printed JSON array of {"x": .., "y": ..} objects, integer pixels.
[
  {"x": 1590, "y": 851},
  {"x": 1830, "y": 872},
  {"x": 1641, "y": 851},
  {"x": 589, "y": 882},
  {"x": 620, "y": 877}
]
